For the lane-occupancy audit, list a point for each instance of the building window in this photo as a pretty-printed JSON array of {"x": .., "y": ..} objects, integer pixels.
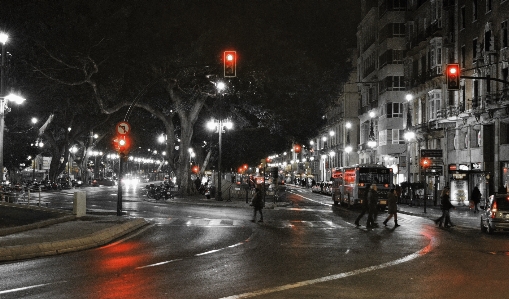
[
  {"x": 394, "y": 110},
  {"x": 398, "y": 136},
  {"x": 434, "y": 104},
  {"x": 474, "y": 10},
  {"x": 474, "y": 49},
  {"x": 487, "y": 41},
  {"x": 504, "y": 133},
  {"x": 504, "y": 36},
  {"x": 391, "y": 57},
  {"x": 391, "y": 83}
]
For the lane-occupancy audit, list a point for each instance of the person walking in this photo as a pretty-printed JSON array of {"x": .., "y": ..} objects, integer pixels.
[
  {"x": 364, "y": 205},
  {"x": 372, "y": 207},
  {"x": 257, "y": 203},
  {"x": 392, "y": 209},
  {"x": 446, "y": 206},
  {"x": 476, "y": 198}
]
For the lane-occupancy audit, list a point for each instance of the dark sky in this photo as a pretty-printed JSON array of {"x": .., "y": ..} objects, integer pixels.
[{"x": 299, "y": 45}]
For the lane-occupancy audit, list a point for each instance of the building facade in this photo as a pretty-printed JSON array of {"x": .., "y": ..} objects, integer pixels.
[{"x": 404, "y": 47}]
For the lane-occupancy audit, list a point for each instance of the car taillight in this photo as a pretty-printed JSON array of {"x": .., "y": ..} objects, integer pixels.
[{"x": 494, "y": 209}]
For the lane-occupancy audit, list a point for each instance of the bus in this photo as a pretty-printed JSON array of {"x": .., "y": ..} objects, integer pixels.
[{"x": 351, "y": 185}]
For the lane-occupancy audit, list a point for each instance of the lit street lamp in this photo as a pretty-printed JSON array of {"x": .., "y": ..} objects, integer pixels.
[
  {"x": 3, "y": 109},
  {"x": 219, "y": 126}
]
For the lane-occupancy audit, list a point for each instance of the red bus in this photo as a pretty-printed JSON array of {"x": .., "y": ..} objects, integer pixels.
[{"x": 351, "y": 184}]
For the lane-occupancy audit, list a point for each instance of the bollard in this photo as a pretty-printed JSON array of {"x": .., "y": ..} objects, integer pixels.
[{"x": 80, "y": 203}]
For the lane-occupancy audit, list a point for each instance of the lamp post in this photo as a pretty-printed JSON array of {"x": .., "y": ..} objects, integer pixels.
[
  {"x": 372, "y": 138},
  {"x": 3, "y": 109},
  {"x": 3, "y": 39},
  {"x": 219, "y": 125},
  {"x": 346, "y": 143},
  {"x": 348, "y": 149}
]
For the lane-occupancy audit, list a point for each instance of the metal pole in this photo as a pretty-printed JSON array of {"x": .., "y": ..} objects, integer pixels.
[
  {"x": 2, "y": 114},
  {"x": 119, "y": 196},
  {"x": 219, "y": 192}
]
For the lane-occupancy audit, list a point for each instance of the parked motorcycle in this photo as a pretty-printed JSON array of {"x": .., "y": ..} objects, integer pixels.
[{"x": 158, "y": 192}]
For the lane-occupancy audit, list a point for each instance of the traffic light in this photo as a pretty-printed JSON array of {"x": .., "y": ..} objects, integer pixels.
[
  {"x": 425, "y": 162},
  {"x": 195, "y": 169},
  {"x": 230, "y": 63},
  {"x": 122, "y": 144},
  {"x": 453, "y": 76}
]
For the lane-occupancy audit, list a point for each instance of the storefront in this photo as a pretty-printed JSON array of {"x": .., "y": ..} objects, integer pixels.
[{"x": 462, "y": 180}]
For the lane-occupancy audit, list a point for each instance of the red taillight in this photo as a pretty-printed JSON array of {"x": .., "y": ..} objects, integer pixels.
[{"x": 494, "y": 209}]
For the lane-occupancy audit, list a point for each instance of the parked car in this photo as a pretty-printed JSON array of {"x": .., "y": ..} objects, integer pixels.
[
  {"x": 104, "y": 182},
  {"x": 495, "y": 215}
]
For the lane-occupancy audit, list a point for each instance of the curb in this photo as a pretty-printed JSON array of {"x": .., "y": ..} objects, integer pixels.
[{"x": 102, "y": 237}]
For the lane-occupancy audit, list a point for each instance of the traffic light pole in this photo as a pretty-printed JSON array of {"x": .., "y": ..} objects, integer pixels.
[
  {"x": 119, "y": 193},
  {"x": 486, "y": 78}
]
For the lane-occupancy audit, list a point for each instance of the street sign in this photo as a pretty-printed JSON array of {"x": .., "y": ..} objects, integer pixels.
[
  {"x": 435, "y": 169},
  {"x": 123, "y": 128},
  {"x": 432, "y": 153}
]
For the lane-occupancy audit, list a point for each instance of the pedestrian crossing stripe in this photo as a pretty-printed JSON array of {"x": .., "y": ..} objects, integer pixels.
[{"x": 203, "y": 222}]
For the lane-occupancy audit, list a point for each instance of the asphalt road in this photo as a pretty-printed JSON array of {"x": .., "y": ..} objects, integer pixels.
[{"x": 306, "y": 249}]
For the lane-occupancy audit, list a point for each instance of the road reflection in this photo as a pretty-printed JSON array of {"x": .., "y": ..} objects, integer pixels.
[{"x": 114, "y": 267}]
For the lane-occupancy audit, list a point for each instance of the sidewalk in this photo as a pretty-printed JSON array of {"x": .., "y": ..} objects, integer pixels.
[{"x": 62, "y": 233}]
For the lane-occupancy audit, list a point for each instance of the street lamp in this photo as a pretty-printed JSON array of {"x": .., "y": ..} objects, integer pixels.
[
  {"x": 219, "y": 126},
  {"x": 4, "y": 109}
]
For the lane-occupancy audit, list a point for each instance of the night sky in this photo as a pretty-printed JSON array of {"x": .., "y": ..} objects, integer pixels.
[{"x": 291, "y": 54}]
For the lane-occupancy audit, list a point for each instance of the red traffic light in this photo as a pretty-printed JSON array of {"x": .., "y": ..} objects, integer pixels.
[
  {"x": 195, "y": 169},
  {"x": 297, "y": 148},
  {"x": 230, "y": 63},
  {"x": 122, "y": 144},
  {"x": 425, "y": 162},
  {"x": 453, "y": 76}
]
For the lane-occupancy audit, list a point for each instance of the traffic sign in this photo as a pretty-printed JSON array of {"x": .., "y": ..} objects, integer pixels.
[
  {"x": 123, "y": 128},
  {"x": 432, "y": 153}
]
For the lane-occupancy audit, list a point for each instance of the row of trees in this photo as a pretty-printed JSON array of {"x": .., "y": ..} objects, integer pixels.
[{"x": 85, "y": 65}]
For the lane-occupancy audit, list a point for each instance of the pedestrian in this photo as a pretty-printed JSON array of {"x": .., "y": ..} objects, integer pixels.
[
  {"x": 476, "y": 198},
  {"x": 446, "y": 205},
  {"x": 372, "y": 207},
  {"x": 392, "y": 199},
  {"x": 364, "y": 205},
  {"x": 257, "y": 203}
]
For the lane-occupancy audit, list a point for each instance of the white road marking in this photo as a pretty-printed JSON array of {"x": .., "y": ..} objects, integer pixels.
[
  {"x": 28, "y": 288},
  {"x": 404, "y": 259},
  {"x": 158, "y": 264},
  {"x": 198, "y": 254}
]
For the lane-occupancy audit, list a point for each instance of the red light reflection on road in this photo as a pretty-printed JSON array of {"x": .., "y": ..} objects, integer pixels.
[
  {"x": 432, "y": 236},
  {"x": 114, "y": 268}
]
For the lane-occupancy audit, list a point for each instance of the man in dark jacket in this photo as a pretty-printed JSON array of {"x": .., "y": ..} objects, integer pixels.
[
  {"x": 365, "y": 205},
  {"x": 257, "y": 203},
  {"x": 372, "y": 206},
  {"x": 476, "y": 198}
]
